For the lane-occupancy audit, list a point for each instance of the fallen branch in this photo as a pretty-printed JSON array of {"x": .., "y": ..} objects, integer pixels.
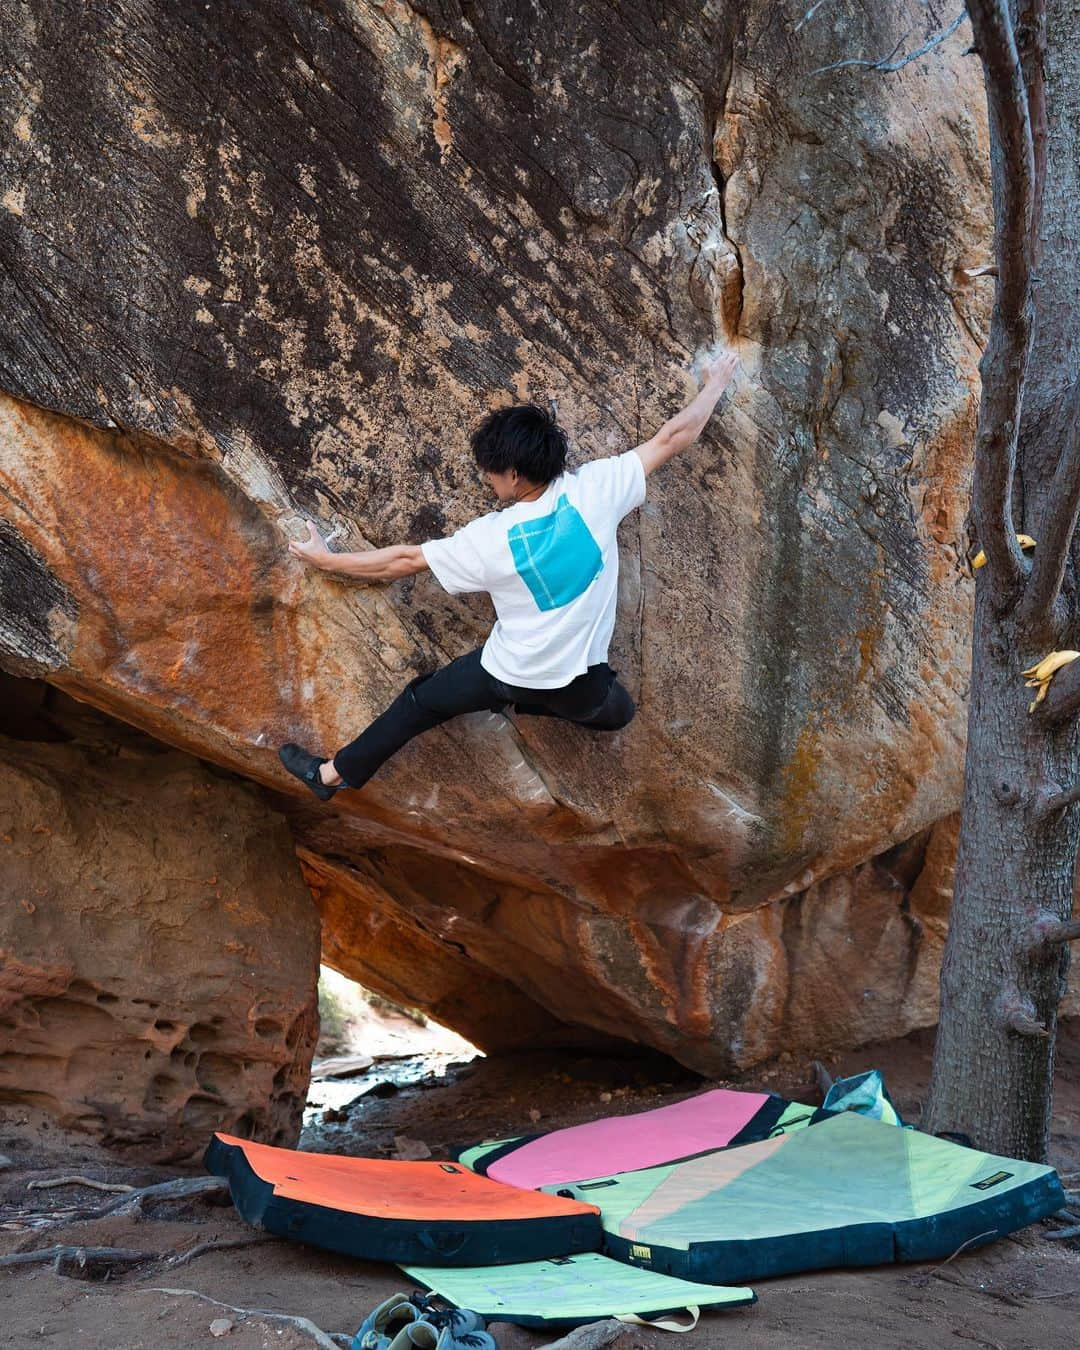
[
  {"x": 97, "y": 1263},
  {"x": 79, "y": 1181},
  {"x": 88, "y": 1263},
  {"x": 327, "y": 1340},
  {"x": 81, "y": 1263},
  {"x": 1072, "y": 1232}
]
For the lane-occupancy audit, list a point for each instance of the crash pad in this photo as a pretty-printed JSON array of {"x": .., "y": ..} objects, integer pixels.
[
  {"x": 383, "y": 1210},
  {"x": 852, "y": 1191},
  {"x": 721, "y": 1118},
  {"x": 865, "y": 1094},
  {"x": 571, "y": 1291}
]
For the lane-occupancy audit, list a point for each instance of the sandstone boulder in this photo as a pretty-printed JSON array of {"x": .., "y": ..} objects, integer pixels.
[
  {"x": 158, "y": 949},
  {"x": 271, "y": 262}
]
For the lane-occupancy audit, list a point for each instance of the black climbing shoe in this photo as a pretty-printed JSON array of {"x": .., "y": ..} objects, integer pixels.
[{"x": 306, "y": 767}]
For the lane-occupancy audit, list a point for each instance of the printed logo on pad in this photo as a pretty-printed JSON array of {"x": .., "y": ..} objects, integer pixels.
[
  {"x": 638, "y": 1253},
  {"x": 995, "y": 1180},
  {"x": 555, "y": 556}
]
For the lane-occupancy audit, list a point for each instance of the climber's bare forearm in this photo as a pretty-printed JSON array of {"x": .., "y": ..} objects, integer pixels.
[
  {"x": 377, "y": 564},
  {"x": 685, "y": 427},
  {"x": 372, "y": 564}
]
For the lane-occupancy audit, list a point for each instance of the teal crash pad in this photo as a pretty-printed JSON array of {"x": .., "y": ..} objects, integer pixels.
[{"x": 851, "y": 1191}]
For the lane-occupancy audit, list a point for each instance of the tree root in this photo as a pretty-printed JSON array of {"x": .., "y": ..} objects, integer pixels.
[
  {"x": 181, "y": 1258},
  {"x": 79, "y": 1181},
  {"x": 131, "y": 1203},
  {"x": 217, "y": 1245},
  {"x": 923, "y": 1277},
  {"x": 333, "y": 1340},
  {"x": 81, "y": 1263},
  {"x": 182, "y": 1188},
  {"x": 101, "y": 1263}
]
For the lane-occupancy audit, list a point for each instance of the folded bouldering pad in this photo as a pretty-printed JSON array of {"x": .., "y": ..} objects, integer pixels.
[
  {"x": 721, "y": 1118},
  {"x": 571, "y": 1291},
  {"x": 382, "y": 1210},
  {"x": 866, "y": 1095},
  {"x": 849, "y": 1192}
]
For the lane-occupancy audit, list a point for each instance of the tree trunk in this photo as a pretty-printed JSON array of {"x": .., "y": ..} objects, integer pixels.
[
  {"x": 1000, "y": 985},
  {"x": 1004, "y": 969}
]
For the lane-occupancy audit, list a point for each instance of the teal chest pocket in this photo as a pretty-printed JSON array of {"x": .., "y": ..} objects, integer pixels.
[{"x": 556, "y": 556}]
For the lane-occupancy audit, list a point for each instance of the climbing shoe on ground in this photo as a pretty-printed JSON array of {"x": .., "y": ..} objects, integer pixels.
[
  {"x": 472, "y": 1340},
  {"x": 461, "y": 1322},
  {"x": 425, "y": 1336},
  {"x": 384, "y": 1328},
  {"x": 306, "y": 767}
]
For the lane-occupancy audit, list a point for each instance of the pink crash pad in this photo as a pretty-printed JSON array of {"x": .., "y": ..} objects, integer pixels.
[{"x": 627, "y": 1143}]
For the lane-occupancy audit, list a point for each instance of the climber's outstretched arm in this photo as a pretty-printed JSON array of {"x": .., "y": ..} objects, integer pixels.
[
  {"x": 373, "y": 564},
  {"x": 685, "y": 427}
]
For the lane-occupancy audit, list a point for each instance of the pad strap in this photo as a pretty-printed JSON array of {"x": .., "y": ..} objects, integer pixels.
[{"x": 665, "y": 1322}]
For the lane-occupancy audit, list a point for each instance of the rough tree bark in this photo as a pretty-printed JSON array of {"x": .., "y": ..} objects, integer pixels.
[{"x": 1007, "y": 953}]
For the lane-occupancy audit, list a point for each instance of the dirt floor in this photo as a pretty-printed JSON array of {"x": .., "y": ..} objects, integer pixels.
[{"x": 1021, "y": 1292}]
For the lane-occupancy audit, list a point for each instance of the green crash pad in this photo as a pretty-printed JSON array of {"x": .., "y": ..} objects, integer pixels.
[
  {"x": 571, "y": 1291},
  {"x": 849, "y": 1192}
]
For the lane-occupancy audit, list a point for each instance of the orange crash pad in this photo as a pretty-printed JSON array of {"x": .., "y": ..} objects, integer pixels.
[{"x": 437, "y": 1213}]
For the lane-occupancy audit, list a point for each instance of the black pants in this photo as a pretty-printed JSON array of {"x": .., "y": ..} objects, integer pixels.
[{"x": 595, "y": 699}]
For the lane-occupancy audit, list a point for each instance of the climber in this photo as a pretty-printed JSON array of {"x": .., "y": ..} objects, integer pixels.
[{"x": 550, "y": 563}]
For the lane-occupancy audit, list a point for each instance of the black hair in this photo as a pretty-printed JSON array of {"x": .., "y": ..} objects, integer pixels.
[{"x": 525, "y": 438}]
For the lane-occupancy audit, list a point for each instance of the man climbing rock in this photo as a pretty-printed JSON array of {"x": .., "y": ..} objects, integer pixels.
[{"x": 548, "y": 559}]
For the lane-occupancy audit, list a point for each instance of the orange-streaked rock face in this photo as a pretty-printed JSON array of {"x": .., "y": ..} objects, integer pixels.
[{"x": 223, "y": 322}]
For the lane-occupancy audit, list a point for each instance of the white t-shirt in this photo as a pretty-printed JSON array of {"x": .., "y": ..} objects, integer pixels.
[{"x": 551, "y": 567}]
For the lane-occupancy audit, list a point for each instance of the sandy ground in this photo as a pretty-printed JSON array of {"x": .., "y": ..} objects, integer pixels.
[{"x": 1021, "y": 1292}]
